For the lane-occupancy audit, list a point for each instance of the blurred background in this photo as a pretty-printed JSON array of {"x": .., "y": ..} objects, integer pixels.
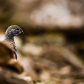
[{"x": 51, "y": 50}]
